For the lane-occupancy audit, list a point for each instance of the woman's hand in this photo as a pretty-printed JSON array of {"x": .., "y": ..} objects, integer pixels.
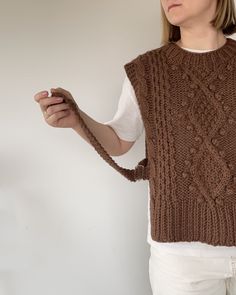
[{"x": 60, "y": 109}]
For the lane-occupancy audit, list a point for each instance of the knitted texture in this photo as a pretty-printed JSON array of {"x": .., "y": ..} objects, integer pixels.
[
  {"x": 188, "y": 105},
  {"x": 187, "y": 102}
]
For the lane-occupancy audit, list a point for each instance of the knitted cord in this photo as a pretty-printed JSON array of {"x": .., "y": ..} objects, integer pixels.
[{"x": 141, "y": 169}]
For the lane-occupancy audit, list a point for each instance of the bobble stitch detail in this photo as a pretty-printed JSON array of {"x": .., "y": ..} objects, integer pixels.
[
  {"x": 191, "y": 187},
  {"x": 184, "y": 103},
  {"x": 212, "y": 87},
  {"x": 222, "y": 153},
  {"x": 187, "y": 162},
  {"x": 189, "y": 127},
  {"x": 230, "y": 120},
  {"x": 229, "y": 67},
  {"x": 231, "y": 166},
  {"x": 218, "y": 96},
  {"x": 219, "y": 201},
  {"x": 226, "y": 108},
  {"x": 184, "y": 76},
  {"x": 215, "y": 141},
  {"x": 191, "y": 94},
  {"x": 192, "y": 150},
  {"x": 198, "y": 139},
  {"x": 222, "y": 131},
  {"x": 184, "y": 174},
  {"x": 221, "y": 77}
]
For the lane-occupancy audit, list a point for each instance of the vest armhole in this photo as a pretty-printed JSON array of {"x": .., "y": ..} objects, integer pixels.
[{"x": 131, "y": 72}]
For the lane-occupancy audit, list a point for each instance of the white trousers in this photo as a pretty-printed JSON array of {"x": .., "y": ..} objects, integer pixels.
[{"x": 172, "y": 274}]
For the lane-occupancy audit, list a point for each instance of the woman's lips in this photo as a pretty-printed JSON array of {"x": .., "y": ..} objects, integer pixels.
[{"x": 174, "y": 5}]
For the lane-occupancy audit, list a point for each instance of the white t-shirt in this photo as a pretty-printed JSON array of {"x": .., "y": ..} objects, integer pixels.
[{"x": 127, "y": 123}]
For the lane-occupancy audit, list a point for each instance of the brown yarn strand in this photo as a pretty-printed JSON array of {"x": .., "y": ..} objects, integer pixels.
[{"x": 140, "y": 172}]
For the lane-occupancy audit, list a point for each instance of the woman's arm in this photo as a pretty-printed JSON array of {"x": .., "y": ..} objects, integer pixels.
[
  {"x": 105, "y": 134},
  {"x": 58, "y": 113}
]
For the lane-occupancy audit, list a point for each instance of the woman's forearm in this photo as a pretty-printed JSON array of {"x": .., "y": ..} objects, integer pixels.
[{"x": 104, "y": 134}]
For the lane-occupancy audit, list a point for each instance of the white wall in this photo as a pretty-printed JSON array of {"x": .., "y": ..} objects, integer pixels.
[{"x": 69, "y": 223}]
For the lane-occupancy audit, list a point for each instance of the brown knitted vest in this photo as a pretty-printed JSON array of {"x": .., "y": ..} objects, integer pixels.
[{"x": 187, "y": 102}]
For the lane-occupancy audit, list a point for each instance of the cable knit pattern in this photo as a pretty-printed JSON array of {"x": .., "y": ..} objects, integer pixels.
[{"x": 188, "y": 105}]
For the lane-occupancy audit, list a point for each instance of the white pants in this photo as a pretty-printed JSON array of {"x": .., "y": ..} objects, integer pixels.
[{"x": 172, "y": 274}]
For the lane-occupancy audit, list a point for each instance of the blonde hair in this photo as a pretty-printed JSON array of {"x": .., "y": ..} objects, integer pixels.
[{"x": 225, "y": 20}]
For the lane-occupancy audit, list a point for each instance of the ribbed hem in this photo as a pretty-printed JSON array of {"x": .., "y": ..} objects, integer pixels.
[{"x": 190, "y": 221}]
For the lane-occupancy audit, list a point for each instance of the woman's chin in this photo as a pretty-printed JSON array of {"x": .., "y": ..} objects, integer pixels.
[{"x": 176, "y": 21}]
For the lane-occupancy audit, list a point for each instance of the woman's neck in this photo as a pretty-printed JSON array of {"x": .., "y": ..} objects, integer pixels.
[{"x": 194, "y": 44}]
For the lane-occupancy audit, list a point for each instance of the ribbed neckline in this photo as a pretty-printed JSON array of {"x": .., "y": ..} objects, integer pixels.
[
  {"x": 218, "y": 49},
  {"x": 196, "y": 50},
  {"x": 177, "y": 54}
]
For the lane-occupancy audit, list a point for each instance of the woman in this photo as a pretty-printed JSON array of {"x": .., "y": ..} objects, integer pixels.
[{"x": 184, "y": 266}]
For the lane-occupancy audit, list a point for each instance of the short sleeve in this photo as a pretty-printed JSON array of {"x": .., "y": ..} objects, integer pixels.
[{"x": 127, "y": 121}]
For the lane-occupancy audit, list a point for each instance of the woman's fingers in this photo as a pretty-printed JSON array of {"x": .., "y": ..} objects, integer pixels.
[
  {"x": 45, "y": 102},
  {"x": 59, "y": 109},
  {"x": 56, "y": 108},
  {"x": 66, "y": 95},
  {"x": 40, "y": 95},
  {"x": 54, "y": 118},
  {"x": 61, "y": 90}
]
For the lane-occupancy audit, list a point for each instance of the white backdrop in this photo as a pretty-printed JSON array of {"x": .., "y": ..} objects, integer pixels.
[{"x": 69, "y": 223}]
